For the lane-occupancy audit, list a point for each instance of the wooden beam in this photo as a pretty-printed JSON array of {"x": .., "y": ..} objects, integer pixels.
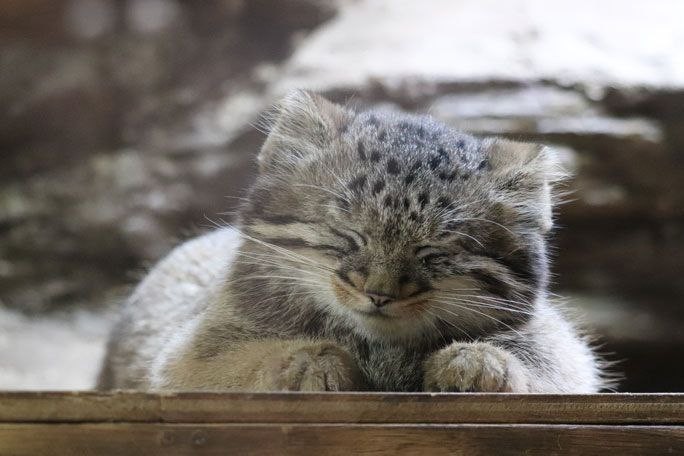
[
  {"x": 335, "y": 439},
  {"x": 356, "y": 408}
]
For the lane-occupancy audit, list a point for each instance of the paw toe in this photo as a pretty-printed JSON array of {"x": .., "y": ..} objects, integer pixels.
[
  {"x": 323, "y": 367},
  {"x": 470, "y": 367}
]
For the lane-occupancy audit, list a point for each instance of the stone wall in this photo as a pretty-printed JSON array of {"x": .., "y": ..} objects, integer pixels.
[{"x": 125, "y": 125}]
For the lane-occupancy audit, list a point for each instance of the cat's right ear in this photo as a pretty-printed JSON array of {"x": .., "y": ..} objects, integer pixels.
[{"x": 302, "y": 125}]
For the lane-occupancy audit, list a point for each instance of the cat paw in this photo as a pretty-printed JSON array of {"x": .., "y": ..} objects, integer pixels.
[
  {"x": 474, "y": 367},
  {"x": 320, "y": 366}
]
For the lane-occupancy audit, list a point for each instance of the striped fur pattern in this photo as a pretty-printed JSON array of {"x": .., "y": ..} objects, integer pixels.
[{"x": 375, "y": 251}]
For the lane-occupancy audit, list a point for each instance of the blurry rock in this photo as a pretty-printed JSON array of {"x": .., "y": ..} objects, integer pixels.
[
  {"x": 126, "y": 132},
  {"x": 475, "y": 42}
]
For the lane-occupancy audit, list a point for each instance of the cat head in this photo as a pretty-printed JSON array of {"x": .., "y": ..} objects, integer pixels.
[{"x": 398, "y": 224}]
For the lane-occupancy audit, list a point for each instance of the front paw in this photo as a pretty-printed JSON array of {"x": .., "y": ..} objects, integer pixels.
[
  {"x": 318, "y": 366},
  {"x": 476, "y": 366}
]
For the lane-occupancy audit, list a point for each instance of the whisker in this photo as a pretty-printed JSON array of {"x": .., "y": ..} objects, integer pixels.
[
  {"x": 486, "y": 306},
  {"x": 274, "y": 261},
  {"x": 277, "y": 260},
  {"x": 487, "y": 316},
  {"x": 327, "y": 190},
  {"x": 499, "y": 300},
  {"x": 332, "y": 206},
  {"x": 282, "y": 280},
  {"x": 466, "y": 235},
  {"x": 427, "y": 318},
  {"x": 486, "y": 299},
  {"x": 450, "y": 323},
  {"x": 488, "y": 221},
  {"x": 282, "y": 250}
]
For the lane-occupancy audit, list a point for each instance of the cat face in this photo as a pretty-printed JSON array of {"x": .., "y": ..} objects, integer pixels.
[{"x": 398, "y": 224}]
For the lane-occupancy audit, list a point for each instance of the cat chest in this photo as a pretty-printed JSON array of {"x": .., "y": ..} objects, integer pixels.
[{"x": 390, "y": 368}]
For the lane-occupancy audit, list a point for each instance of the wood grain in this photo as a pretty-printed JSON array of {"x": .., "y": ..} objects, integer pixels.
[
  {"x": 354, "y": 408},
  {"x": 136, "y": 423},
  {"x": 336, "y": 439}
]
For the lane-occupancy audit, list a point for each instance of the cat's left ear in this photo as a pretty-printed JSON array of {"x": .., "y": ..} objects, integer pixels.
[
  {"x": 303, "y": 125},
  {"x": 524, "y": 174}
]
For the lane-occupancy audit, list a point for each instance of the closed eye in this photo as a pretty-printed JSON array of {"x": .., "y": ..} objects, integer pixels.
[
  {"x": 330, "y": 250},
  {"x": 428, "y": 252},
  {"x": 353, "y": 238},
  {"x": 359, "y": 236}
]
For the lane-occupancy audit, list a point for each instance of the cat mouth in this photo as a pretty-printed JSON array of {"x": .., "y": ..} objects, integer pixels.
[
  {"x": 374, "y": 313},
  {"x": 386, "y": 312},
  {"x": 403, "y": 308}
]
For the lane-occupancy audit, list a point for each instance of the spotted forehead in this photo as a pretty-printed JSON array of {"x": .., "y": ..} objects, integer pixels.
[
  {"x": 407, "y": 146},
  {"x": 409, "y": 168}
]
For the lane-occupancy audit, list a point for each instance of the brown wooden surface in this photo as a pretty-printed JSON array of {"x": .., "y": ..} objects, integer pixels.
[
  {"x": 131, "y": 423},
  {"x": 336, "y": 439},
  {"x": 341, "y": 408}
]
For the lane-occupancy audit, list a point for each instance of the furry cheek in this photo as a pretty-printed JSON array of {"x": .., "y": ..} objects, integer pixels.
[{"x": 346, "y": 297}]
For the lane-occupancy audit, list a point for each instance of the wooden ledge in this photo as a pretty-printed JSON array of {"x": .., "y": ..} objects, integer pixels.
[
  {"x": 384, "y": 408},
  {"x": 338, "y": 423}
]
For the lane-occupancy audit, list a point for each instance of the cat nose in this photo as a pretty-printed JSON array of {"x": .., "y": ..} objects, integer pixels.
[{"x": 379, "y": 300}]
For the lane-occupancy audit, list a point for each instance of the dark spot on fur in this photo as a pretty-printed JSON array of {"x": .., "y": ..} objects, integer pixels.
[
  {"x": 449, "y": 177},
  {"x": 434, "y": 162},
  {"x": 412, "y": 174},
  {"x": 393, "y": 166},
  {"x": 465, "y": 176},
  {"x": 361, "y": 149},
  {"x": 358, "y": 184},
  {"x": 388, "y": 201},
  {"x": 407, "y": 203},
  {"x": 382, "y": 135},
  {"x": 460, "y": 144},
  {"x": 344, "y": 128},
  {"x": 373, "y": 121},
  {"x": 423, "y": 200},
  {"x": 375, "y": 156},
  {"x": 378, "y": 186},
  {"x": 484, "y": 165},
  {"x": 443, "y": 153},
  {"x": 413, "y": 216}
]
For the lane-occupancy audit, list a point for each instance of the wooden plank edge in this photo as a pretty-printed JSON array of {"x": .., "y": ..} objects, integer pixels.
[
  {"x": 315, "y": 439},
  {"x": 96, "y": 407}
]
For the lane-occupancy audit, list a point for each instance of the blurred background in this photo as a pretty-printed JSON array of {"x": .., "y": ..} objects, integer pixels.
[{"x": 124, "y": 126}]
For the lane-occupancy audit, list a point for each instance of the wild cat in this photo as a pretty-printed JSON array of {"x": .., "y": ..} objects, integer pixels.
[{"x": 375, "y": 251}]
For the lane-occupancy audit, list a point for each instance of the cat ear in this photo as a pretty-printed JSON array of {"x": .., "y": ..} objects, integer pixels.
[
  {"x": 303, "y": 124},
  {"x": 525, "y": 174}
]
